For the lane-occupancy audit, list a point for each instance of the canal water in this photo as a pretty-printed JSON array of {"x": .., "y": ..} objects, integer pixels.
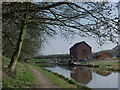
[{"x": 93, "y": 78}]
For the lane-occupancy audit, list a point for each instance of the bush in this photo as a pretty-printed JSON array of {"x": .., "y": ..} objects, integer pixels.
[
  {"x": 61, "y": 76},
  {"x": 71, "y": 82},
  {"x": 66, "y": 79},
  {"x": 55, "y": 73}
]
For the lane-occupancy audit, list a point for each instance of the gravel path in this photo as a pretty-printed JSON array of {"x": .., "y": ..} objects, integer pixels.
[{"x": 41, "y": 80}]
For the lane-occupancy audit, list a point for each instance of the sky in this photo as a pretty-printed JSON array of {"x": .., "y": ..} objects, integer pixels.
[
  {"x": 76, "y": 0},
  {"x": 60, "y": 45},
  {"x": 55, "y": 0}
]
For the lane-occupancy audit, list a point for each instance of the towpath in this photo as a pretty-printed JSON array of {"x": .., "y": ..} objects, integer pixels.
[{"x": 41, "y": 80}]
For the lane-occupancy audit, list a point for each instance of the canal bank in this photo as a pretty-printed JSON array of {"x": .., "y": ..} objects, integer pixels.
[
  {"x": 97, "y": 77},
  {"x": 108, "y": 64},
  {"x": 59, "y": 80},
  {"x": 93, "y": 78},
  {"x": 111, "y": 64},
  {"x": 41, "y": 80}
]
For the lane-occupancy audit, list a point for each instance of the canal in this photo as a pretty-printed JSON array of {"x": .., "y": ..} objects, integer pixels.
[{"x": 93, "y": 78}]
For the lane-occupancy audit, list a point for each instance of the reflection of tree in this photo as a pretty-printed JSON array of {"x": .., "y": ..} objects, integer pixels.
[
  {"x": 82, "y": 75},
  {"x": 103, "y": 73}
]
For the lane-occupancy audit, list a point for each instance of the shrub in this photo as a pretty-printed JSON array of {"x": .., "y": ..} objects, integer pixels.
[
  {"x": 66, "y": 79},
  {"x": 55, "y": 73},
  {"x": 61, "y": 76},
  {"x": 71, "y": 82}
]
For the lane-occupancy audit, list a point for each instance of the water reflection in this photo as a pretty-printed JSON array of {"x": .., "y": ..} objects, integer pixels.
[
  {"x": 103, "y": 73},
  {"x": 81, "y": 75},
  {"x": 93, "y": 78}
]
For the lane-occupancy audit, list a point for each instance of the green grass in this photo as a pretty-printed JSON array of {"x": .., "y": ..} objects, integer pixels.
[
  {"x": 106, "y": 64},
  {"x": 70, "y": 81},
  {"x": 111, "y": 66},
  {"x": 59, "y": 79},
  {"x": 22, "y": 77},
  {"x": 56, "y": 80},
  {"x": 40, "y": 60}
]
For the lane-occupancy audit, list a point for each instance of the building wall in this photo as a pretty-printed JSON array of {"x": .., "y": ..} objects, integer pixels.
[
  {"x": 73, "y": 52},
  {"x": 84, "y": 51},
  {"x": 104, "y": 56}
]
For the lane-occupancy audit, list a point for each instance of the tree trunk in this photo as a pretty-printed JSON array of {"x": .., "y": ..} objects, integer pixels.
[{"x": 16, "y": 54}]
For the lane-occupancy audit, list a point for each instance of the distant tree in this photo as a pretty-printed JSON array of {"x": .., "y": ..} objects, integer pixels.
[{"x": 89, "y": 18}]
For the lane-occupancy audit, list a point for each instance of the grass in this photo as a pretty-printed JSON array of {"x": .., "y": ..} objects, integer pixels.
[
  {"x": 0, "y": 72},
  {"x": 113, "y": 65},
  {"x": 70, "y": 81},
  {"x": 41, "y": 62},
  {"x": 110, "y": 66},
  {"x": 106, "y": 64},
  {"x": 56, "y": 80},
  {"x": 59, "y": 79},
  {"x": 22, "y": 77}
]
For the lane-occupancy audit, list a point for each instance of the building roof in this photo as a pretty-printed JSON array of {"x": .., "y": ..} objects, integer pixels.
[
  {"x": 102, "y": 52},
  {"x": 105, "y": 53},
  {"x": 77, "y": 44}
]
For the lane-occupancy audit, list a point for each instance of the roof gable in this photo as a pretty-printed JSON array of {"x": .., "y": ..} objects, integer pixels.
[
  {"x": 105, "y": 53},
  {"x": 77, "y": 44}
]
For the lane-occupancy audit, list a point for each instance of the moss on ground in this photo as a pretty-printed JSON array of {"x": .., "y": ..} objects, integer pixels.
[{"x": 22, "y": 77}]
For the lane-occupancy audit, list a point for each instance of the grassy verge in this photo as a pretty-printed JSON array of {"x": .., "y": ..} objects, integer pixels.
[
  {"x": 20, "y": 78},
  {"x": 70, "y": 81},
  {"x": 113, "y": 65},
  {"x": 58, "y": 79},
  {"x": 41, "y": 62},
  {"x": 110, "y": 66}
]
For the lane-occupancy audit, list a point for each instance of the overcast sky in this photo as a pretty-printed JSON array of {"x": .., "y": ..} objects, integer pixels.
[
  {"x": 60, "y": 45},
  {"x": 75, "y": 0}
]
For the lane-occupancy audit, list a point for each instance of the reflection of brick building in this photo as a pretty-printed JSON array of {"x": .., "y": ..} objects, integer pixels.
[
  {"x": 82, "y": 75},
  {"x": 103, "y": 73},
  {"x": 81, "y": 50}
]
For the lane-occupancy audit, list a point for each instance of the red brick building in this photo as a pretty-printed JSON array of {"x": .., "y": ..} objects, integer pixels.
[
  {"x": 81, "y": 50},
  {"x": 104, "y": 55}
]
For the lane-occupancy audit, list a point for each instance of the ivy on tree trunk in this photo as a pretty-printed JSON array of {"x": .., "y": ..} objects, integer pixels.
[{"x": 16, "y": 54}]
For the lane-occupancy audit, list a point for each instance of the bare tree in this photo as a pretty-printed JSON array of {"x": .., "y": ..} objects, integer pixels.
[{"x": 89, "y": 18}]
